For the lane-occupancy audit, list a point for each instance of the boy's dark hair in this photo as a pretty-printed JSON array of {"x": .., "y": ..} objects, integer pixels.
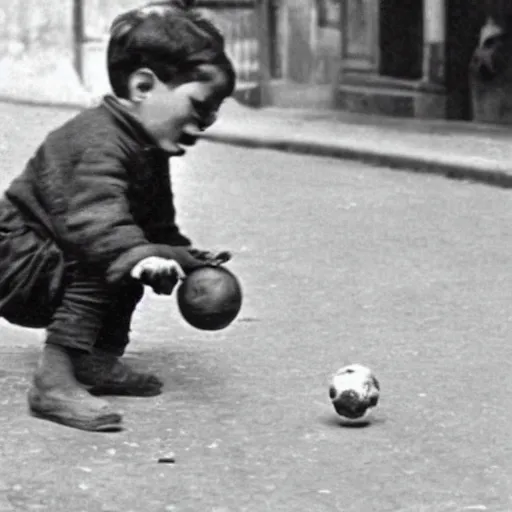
[{"x": 169, "y": 38}]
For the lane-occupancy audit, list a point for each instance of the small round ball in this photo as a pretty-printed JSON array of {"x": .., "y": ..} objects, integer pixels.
[
  {"x": 210, "y": 298},
  {"x": 354, "y": 392}
]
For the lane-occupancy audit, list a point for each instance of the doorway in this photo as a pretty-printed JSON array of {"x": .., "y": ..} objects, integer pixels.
[
  {"x": 401, "y": 39},
  {"x": 464, "y": 18}
]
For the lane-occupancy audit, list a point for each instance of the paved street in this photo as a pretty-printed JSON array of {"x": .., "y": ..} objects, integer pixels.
[{"x": 341, "y": 263}]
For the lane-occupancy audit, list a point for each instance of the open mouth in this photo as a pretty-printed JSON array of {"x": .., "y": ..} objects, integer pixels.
[
  {"x": 188, "y": 139},
  {"x": 189, "y": 136}
]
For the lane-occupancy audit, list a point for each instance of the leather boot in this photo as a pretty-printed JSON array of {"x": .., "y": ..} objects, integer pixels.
[
  {"x": 106, "y": 374},
  {"x": 56, "y": 395}
]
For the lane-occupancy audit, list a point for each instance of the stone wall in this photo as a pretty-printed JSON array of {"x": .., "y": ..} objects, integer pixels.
[
  {"x": 37, "y": 54},
  {"x": 310, "y": 35},
  {"x": 238, "y": 26},
  {"x": 36, "y": 49}
]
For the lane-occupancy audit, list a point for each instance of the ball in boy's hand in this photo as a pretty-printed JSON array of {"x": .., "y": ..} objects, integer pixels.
[{"x": 210, "y": 298}]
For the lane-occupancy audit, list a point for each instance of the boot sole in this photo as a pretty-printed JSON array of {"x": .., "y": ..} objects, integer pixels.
[
  {"x": 107, "y": 423},
  {"x": 123, "y": 391}
]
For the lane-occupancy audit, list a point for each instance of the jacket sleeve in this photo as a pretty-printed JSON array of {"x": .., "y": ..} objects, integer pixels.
[
  {"x": 164, "y": 228},
  {"x": 171, "y": 235},
  {"x": 93, "y": 219},
  {"x": 166, "y": 231}
]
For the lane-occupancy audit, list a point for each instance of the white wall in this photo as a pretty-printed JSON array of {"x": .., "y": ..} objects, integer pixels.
[{"x": 36, "y": 51}]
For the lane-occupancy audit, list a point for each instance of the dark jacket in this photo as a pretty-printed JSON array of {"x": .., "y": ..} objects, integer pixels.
[{"x": 98, "y": 189}]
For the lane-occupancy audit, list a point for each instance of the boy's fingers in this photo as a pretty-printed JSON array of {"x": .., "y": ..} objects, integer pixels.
[
  {"x": 223, "y": 256},
  {"x": 176, "y": 270},
  {"x": 165, "y": 284},
  {"x": 220, "y": 258},
  {"x": 170, "y": 268},
  {"x": 163, "y": 277},
  {"x": 169, "y": 278},
  {"x": 209, "y": 257},
  {"x": 200, "y": 255},
  {"x": 145, "y": 276}
]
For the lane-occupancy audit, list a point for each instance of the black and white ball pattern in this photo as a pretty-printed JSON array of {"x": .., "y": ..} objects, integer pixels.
[{"x": 354, "y": 392}]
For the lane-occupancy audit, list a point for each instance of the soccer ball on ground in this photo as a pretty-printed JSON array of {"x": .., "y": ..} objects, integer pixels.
[{"x": 354, "y": 392}]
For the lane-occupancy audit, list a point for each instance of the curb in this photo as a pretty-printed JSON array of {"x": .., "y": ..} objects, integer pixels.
[
  {"x": 62, "y": 105},
  {"x": 398, "y": 161}
]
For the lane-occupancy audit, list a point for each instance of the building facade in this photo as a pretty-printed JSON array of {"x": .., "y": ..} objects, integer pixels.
[
  {"x": 408, "y": 58},
  {"x": 389, "y": 57}
]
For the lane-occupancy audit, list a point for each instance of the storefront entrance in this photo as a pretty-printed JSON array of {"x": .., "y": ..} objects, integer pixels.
[
  {"x": 408, "y": 58},
  {"x": 464, "y": 18},
  {"x": 401, "y": 39}
]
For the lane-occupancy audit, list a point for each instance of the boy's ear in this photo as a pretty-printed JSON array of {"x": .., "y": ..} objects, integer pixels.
[{"x": 141, "y": 84}]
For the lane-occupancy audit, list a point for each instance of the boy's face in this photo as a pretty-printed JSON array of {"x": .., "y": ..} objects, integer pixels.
[{"x": 174, "y": 114}]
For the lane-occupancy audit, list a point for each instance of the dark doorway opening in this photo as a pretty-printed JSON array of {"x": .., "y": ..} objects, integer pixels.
[
  {"x": 401, "y": 39},
  {"x": 464, "y": 19}
]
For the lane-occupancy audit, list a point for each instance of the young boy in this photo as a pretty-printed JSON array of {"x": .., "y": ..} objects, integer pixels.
[{"x": 91, "y": 216}]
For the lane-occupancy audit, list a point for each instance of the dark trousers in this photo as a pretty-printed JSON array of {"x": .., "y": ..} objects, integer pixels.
[
  {"x": 93, "y": 314},
  {"x": 39, "y": 288}
]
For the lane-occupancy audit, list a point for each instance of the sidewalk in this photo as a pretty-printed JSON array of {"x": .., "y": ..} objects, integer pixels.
[{"x": 455, "y": 149}]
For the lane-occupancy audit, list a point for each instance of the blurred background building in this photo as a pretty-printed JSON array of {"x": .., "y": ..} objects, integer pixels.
[{"x": 387, "y": 57}]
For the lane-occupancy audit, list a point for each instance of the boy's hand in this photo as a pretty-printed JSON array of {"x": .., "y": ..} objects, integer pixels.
[
  {"x": 209, "y": 257},
  {"x": 160, "y": 273},
  {"x": 186, "y": 260}
]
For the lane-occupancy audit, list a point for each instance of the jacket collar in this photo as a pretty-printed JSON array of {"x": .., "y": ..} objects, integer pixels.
[{"x": 132, "y": 126}]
